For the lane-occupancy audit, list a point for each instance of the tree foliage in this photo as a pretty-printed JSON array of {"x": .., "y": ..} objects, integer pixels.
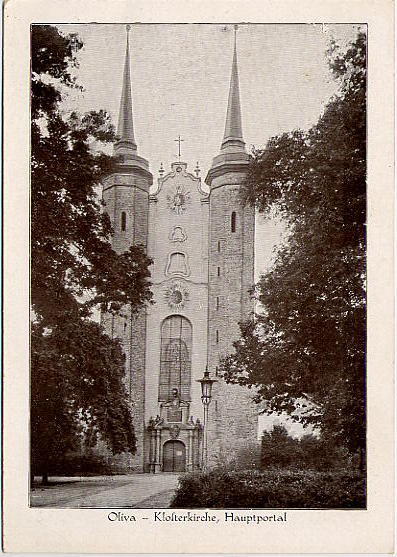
[
  {"x": 76, "y": 370},
  {"x": 77, "y": 393},
  {"x": 281, "y": 450},
  {"x": 309, "y": 341}
]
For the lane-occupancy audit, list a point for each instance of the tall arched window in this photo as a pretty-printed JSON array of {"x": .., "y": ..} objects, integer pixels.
[
  {"x": 175, "y": 358},
  {"x": 123, "y": 221},
  {"x": 233, "y": 220}
]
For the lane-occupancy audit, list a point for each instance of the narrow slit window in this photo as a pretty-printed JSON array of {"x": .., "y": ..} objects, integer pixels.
[
  {"x": 219, "y": 245},
  {"x": 217, "y": 302},
  {"x": 219, "y": 271},
  {"x": 123, "y": 221},
  {"x": 217, "y": 336},
  {"x": 233, "y": 221}
]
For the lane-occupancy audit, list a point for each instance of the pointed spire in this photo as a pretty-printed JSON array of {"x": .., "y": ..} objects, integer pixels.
[
  {"x": 233, "y": 129},
  {"x": 125, "y": 130},
  {"x": 232, "y": 157}
]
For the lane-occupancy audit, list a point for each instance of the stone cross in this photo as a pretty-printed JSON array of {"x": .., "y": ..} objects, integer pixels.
[{"x": 179, "y": 141}]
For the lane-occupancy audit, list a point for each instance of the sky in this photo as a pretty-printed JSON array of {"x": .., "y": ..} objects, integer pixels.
[{"x": 180, "y": 79}]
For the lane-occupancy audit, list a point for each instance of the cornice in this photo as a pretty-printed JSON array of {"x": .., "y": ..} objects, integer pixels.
[
  {"x": 125, "y": 186},
  {"x": 179, "y": 278},
  {"x": 128, "y": 168},
  {"x": 224, "y": 168}
]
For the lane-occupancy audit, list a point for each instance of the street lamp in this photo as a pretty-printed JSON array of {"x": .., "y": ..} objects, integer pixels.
[{"x": 206, "y": 395}]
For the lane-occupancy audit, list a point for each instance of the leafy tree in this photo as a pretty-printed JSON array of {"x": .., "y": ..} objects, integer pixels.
[
  {"x": 309, "y": 341},
  {"x": 77, "y": 393},
  {"x": 76, "y": 371},
  {"x": 279, "y": 449}
]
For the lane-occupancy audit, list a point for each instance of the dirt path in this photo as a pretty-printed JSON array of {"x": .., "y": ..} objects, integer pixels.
[{"x": 134, "y": 491}]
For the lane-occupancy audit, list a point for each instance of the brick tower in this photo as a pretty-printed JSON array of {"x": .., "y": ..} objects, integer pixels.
[
  {"x": 232, "y": 417},
  {"x": 126, "y": 197}
]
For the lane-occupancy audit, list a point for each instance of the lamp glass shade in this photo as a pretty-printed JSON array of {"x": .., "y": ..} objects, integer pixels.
[{"x": 206, "y": 387}]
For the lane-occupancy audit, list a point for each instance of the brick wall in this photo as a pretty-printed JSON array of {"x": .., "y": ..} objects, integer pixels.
[
  {"x": 232, "y": 415},
  {"x": 128, "y": 193}
]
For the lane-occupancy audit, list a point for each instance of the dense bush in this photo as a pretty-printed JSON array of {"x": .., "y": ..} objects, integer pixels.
[
  {"x": 274, "y": 489},
  {"x": 248, "y": 457}
]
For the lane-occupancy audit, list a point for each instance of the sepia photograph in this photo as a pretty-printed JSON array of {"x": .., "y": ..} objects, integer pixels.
[
  {"x": 198, "y": 277},
  {"x": 198, "y": 266}
]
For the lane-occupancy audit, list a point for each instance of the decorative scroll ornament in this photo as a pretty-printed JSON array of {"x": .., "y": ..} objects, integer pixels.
[
  {"x": 174, "y": 431},
  {"x": 177, "y": 234},
  {"x": 179, "y": 200},
  {"x": 176, "y": 296},
  {"x": 177, "y": 264}
]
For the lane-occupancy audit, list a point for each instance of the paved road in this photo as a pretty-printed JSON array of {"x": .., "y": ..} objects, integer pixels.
[{"x": 144, "y": 491}]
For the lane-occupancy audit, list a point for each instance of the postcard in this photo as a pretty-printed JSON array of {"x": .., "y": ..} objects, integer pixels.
[{"x": 198, "y": 277}]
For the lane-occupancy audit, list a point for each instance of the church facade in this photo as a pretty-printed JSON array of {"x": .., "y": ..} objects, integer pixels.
[{"x": 201, "y": 240}]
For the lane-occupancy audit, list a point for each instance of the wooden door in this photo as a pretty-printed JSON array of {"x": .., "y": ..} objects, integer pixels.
[{"x": 174, "y": 456}]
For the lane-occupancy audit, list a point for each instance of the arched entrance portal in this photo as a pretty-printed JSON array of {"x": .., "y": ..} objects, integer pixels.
[{"x": 174, "y": 456}]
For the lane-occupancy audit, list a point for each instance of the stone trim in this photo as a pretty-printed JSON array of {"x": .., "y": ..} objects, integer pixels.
[
  {"x": 179, "y": 277},
  {"x": 224, "y": 168},
  {"x": 126, "y": 186},
  {"x": 167, "y": 266}
]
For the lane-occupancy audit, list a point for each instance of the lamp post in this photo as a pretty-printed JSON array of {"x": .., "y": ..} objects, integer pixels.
[{"x": 206, "y": 395}]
